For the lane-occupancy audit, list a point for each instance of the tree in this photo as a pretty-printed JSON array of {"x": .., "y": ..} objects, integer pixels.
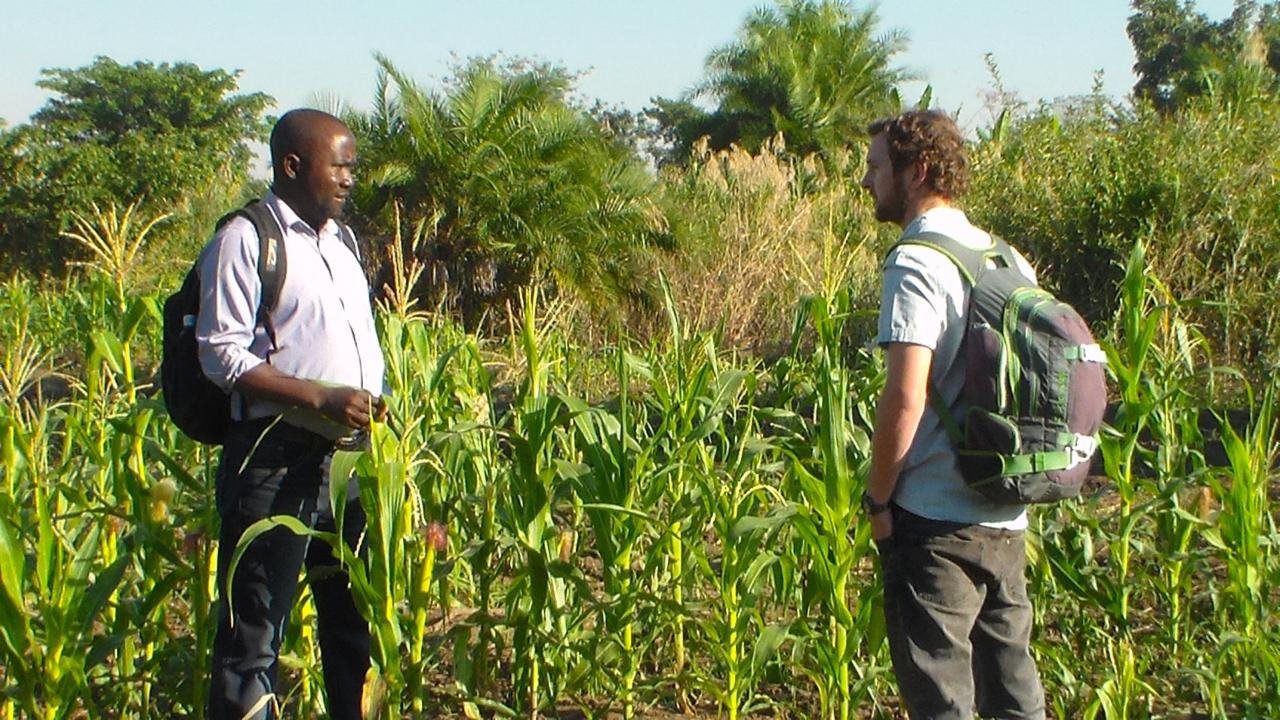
[
  {"x": 505, "y": 183},
  {"x": 1182, "y": 54},
  {"x": 813, "y": 70},
  {"x": 115, "y": 133}
]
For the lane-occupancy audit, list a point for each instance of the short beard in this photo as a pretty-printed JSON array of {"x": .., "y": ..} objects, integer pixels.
[{"x": 892, "y": 209}]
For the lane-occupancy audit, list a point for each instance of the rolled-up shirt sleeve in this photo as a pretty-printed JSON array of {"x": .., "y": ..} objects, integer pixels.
[
  {"x": 912, "y": 306},
  {"x": 230, "y": 291}
]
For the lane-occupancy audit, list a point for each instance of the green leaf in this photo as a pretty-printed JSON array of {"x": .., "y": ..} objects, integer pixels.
[
  {"x": 767, "y": 645},
  {"x": 13, "y": 611},
  {"x": 620, "y": 510},
  {"x": 754, "y": 577},
  {"x": 341, "y": 467},
  {"x": 768, "y": 523},
  {"x": 261, "y": 527},
  {"x": 108, "y": 347},
  {"x": 77, "y": 573},
  {"x": 139, "y": 307},
  {"x": 175, "y": 468},
  {"x": 95, "y": 598},
  {"x": 12, "y": 565},
  {"x": 926, "y": 98}
]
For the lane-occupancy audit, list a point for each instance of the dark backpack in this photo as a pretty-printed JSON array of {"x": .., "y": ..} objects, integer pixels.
[
  {"x": 1035, "y": 382},
  {"x": 198, "y": 407}
]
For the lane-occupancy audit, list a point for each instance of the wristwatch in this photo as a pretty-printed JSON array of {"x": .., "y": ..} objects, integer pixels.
[{"x": 870, "y": 506}]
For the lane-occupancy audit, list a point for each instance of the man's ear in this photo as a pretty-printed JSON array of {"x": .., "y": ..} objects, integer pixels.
[
  {"x": 919, "y": 173},
  {"x": 291, "y": 166}
]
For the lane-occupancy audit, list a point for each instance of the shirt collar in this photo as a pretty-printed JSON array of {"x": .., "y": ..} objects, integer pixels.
[
  {"x": 945, "y": 216},
  {"x": 289, "y": 220}
]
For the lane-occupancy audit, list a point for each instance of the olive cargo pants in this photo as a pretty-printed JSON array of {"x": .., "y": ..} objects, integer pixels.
[{"x": 959, "y": 620}]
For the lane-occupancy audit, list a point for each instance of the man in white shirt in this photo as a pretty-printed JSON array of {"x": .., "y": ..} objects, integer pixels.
[
  {"x": 303, "y": 376},
  {"x": 953, "y": 562}
]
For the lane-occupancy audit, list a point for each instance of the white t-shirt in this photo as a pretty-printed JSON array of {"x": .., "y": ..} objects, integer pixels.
[{"x": 923, "y": 302}]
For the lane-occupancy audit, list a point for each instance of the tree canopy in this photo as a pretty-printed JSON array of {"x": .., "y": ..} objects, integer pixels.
[
  {"x": 504, "y": 182},
  {"x": 813, "y": 70},
  {"x": 115, "y": 133},
  {"x": 1182, "y": 54}
]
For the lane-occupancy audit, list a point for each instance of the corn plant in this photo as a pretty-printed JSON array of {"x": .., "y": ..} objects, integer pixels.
[
  {"x": 747, "y": 517},
  {"x": 1121, "y": 695},
  {"x": 698, "y": 401},
  {"x": 113, "y": 243},
  {"x": 1122, "y": 453},
  {"x": 537, "y": 601},
  {"x": 827, "y": 480},
  {"x": 1244, "y": 533},
  {"x": 606, "y": 484},
  {"x": 426, "y": 382},
  {"x": 58, "y": 566}
]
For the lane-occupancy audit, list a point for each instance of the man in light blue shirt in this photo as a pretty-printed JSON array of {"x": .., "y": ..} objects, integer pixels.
[
  {"x": 956, "y": 606},
  {"x": 311, "y": 376}
]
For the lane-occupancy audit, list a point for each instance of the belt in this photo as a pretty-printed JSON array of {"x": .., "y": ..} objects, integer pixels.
[{"x": 277, "y": 430}]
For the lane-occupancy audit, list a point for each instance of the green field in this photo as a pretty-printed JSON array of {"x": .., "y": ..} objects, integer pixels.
[
  {"x": 679, "y": 535},
  {"x": 631, "y": 393}
]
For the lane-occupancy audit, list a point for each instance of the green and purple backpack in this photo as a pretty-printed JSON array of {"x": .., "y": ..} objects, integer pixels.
[{"x": 1025, "y": 427}]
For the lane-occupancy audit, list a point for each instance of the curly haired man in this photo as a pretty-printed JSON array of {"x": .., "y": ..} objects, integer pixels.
[{"x": 953, "y": 562}]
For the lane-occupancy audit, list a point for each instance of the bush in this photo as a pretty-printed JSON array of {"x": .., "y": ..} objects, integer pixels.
[
  {"x": 756, "y": 232},
  {"x": 499, "y": 182},
  {"x": 171, "y": 136},
  {"x": 1197, "y": 187}
]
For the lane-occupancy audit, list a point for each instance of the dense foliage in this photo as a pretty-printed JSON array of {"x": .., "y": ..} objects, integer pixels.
[
  {"x": 1182, "y": 54},
  {"x": 167, "y": 134},
  {"x": 497, "y": 181},
  {"x": 687, "y": 544},
  {"x": 813, "y": 71},
  {"x": 1199, "y": 188}
]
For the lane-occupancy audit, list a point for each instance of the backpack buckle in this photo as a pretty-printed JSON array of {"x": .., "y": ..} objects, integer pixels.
[{"x": 1082, "y": 449}]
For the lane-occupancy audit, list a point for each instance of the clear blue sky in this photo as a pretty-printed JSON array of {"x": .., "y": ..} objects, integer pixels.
[{"x": 630, "y": 51}]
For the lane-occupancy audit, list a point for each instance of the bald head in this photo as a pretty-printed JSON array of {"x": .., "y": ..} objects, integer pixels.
[
  {"x": 299, "y": 131},
  {"x": 312, "y": 155}
]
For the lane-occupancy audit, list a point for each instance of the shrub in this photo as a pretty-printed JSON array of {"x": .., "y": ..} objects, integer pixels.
[{"x": 1198, "y": 187}]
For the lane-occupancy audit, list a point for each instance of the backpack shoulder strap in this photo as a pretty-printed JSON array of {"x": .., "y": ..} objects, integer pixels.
[
  {"x": 272, "y": 260},
  {"x": 969, "y": 261},
  {"x": 1003, "y": 255},
  {"x": 349, "y": 239}
]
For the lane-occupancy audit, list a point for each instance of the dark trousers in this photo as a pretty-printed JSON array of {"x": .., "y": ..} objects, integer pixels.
[
  {"x": 287, "y": 473},
  {"x": 959, "y": 620}
]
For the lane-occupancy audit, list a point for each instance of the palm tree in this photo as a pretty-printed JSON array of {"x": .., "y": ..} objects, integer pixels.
[
  {"x": 813, "y": 71},
  {"x": 505, "y": 184}
]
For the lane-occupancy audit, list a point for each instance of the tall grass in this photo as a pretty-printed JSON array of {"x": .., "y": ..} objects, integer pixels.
[{"x": 759, "y": 231}]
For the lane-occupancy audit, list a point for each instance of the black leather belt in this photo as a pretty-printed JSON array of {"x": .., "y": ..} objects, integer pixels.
[{"x": 278, "y": 430}]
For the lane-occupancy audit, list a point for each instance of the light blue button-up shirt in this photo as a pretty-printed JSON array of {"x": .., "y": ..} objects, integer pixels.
[{"x": 323, "y": 321}]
